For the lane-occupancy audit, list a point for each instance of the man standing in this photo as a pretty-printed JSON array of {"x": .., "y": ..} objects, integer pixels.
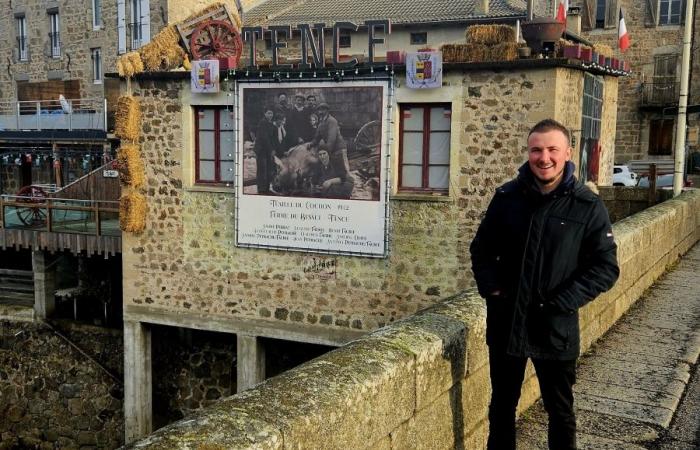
[
  {"x": 328, "y": 131},
  {"x": 543, "y": 250},
  {"x": 264, "y": 149},
  {"x": 299, "y": 124}
]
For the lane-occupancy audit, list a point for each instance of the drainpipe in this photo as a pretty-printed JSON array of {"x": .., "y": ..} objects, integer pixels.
[
  {"x": 683, "y": 101},
  {"x": 530, "y": 9}
]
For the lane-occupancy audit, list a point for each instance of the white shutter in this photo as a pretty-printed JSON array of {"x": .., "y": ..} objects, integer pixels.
[
  {"x": 145, "y": 22},
  {"x": 121, "y": 26}
]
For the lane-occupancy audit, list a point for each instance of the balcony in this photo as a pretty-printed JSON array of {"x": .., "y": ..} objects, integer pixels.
[
  {"x": 67, "y": 115},
  {"x": 660, "y": 94}
]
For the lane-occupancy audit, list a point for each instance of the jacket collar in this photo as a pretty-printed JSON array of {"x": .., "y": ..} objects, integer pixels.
[{"x": 527, "y": 180}]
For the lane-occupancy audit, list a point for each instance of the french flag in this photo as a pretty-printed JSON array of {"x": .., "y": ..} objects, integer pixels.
[
  {"x": 561, "y": 10},
  {"x": 622, "y": 36}
]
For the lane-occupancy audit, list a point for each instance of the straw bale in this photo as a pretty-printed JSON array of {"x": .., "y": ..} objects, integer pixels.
[
  {"x": 164, "y": 51},
  {"x": 132, "y": 212},
  {"x": 127, "y": 119},
  {"x": 124, "y": 67},
  {"x": 454, "y": 52},
  {"x": 135, "y": 60},
  {"x": 507, "y": 51},
  {"x": 475, "y": 52},
  {"x": 604, "y": 50},
  {"x": 490, "y": 34},
  {"x": 131, "y": 171}
]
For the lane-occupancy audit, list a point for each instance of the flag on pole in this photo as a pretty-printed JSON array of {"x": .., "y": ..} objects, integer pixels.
[
  {"x": 623, "y": 38},
  {"x": 561, "y": 10}
]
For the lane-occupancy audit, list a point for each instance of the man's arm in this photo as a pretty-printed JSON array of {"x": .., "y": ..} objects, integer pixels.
[
  {"x": 484, "y": 254},
  {"x": 599, "y": 271}
]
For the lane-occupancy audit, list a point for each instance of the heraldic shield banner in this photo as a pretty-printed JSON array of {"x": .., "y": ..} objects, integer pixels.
[
  {"x": 312, "y": 172},
  {"x": 424, "y": 70}
]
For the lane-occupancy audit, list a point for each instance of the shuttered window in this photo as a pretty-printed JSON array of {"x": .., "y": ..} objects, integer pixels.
[
  {"x": 661, "y": 137},
  {"x": 600, "y": 14}
]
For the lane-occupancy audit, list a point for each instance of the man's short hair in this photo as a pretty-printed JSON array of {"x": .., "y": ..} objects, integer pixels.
[
  {"x": 322, "y": 106},
  {"x": 546, "y": 125},
  {"x": 311, "y": 96}
]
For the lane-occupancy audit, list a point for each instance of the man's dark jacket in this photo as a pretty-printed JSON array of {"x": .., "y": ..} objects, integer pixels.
[{"x": 548, "y": 255}]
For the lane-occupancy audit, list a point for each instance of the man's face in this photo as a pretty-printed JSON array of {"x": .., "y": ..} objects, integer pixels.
[
  {"x": 268, "y": 115},
  {"x": 311, "y": 101},
  {"x": 323, "y": 156},
  {"x": 283, "y": 99},
  {"x": 281, "y": 121},
  {"x": 322, "y": 113},
  {"x": 547, "y": 156},
  {"x": 299, "y": 102}
]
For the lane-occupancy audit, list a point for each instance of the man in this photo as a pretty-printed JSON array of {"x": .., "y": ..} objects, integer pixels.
[
  {"x": 328, "y": 131},
  {"x": 543, "y": 250},
  {"x": 311, "y": 102},
  {"x": 331, "y": 181},
  {"x": 282, "y": 139},
  {"x": 264, "y": 148},
  {"x": 282, "y": 107},
  {"x": 299, "y": 123}
]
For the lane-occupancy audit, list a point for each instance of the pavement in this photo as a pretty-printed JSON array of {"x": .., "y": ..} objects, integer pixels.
[{"x": 638, "y": 387}]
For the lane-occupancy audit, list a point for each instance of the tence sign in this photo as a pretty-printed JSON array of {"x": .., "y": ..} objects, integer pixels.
[{"x": 314, "y": 43}]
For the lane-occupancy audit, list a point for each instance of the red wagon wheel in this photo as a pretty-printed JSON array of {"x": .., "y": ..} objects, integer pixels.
[
  {"x": 31, "y": 216},
  {"x": 215, "y": 39}
]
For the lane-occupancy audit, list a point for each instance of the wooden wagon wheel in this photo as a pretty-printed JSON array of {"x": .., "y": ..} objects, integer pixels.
[
  {"x": 214, "y": 39},
  {"x": 31, "y": 216},
  {"x": 369, "y": 138}
]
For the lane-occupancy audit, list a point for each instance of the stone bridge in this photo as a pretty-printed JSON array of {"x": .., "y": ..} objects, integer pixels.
[{"x": 421, "y": 382}]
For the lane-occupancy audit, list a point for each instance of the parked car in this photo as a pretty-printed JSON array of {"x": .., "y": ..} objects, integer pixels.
[
  {"x": 623, "y": 176},
  {"x": 663, "y": 182}
]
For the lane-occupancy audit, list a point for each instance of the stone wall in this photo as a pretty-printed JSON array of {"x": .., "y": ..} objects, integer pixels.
[
  {"x": 51, "y": 395},
  {"x": 185, "y": 265},
  {"x": 421, "y": 382},
  {"x": 632, "y": 137},
  {"x": 623, "y": 202}
]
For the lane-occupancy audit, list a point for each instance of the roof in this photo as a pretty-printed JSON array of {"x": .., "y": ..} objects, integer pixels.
[{"x": 400, "y": 12}]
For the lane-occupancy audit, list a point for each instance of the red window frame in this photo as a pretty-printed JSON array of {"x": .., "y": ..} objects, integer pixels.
[
  {"x": 217, "y": 145},
  {"x": 425, "y": 166}
]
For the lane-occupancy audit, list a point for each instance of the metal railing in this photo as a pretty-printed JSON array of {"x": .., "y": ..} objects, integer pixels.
[
  {"x": 94, "y": 217},
  {"x": 660, "y": 93},
  {"x": 22, "y": 53},
  {"x": 135, "y": 30},
  {"x": 71, "y": 114},
  {"x": 55, "y": 44}
]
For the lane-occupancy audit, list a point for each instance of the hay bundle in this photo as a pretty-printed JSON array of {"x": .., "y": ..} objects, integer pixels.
[
  {"x": 131, "y": 171},
  {"x": 127, "y": 119},
  {"x": 506, "y": 51},
  {"x": 129, "y": 64},
  {"x": 164, "y": 51},
  {"x": 475, "y": 52},
  {"x": 132, "y": 212},
  {"x": 604, "y": 50},
  {"x": 490, "y": 34},
  {"x": 454, "y": 52}
]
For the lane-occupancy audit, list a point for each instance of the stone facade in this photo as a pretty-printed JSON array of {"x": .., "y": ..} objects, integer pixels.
[
  {"x": 184, "y": 268},
  {"x": 51, "y": 396},
  {"x": 647, "y": 42}
]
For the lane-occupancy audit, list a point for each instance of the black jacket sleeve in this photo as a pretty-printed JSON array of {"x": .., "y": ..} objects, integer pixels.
[
  {"x": 483, "y": 254},
  {"x": 598, "y": 269}
]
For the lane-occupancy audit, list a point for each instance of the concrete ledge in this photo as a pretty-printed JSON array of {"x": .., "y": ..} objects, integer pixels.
[{"x": 421, "y": 382}]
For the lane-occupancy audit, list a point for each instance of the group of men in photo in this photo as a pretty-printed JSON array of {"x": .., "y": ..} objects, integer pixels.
[{"x": 300, "y": 150}]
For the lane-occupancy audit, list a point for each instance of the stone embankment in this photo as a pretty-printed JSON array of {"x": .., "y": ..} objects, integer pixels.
[{"x": 421, "y": 382}]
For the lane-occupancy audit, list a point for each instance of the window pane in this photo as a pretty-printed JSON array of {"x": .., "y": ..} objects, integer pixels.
[
  {"x": 439, "y": 148},
  {"x": 676, "y": 7},
  {"x": 413, "y": 119},
  {"x": 226, "y": 119},
  {"x": 440, "y": 119},
  {"x": 206, "y": 170},
  {"x": 206, "y": 119},
  {"x": 226, "y": 145},
  {"x": 438, "y": 177},
  {"x": 411, "y": 176},
  {"x": 226, "y": 170},
  {"x": 206, "y": 145},
  {"x": 412, "y": 148}
]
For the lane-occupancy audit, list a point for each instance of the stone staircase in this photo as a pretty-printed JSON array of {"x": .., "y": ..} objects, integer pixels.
[{"x": 16, "y": 287}]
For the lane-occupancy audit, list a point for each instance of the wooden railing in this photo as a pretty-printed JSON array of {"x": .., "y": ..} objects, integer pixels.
[{"x": 94, "y": 217}]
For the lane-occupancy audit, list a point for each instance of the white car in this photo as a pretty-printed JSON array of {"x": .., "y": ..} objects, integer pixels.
[{"x": 622, "y": 176}]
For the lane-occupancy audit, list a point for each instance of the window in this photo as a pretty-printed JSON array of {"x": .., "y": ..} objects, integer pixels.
[
  {"x": 592, "y": 113},
  {"x": 661, "y": 136},
  {"x": 96, "y": 65},
  {"x": 96, "y": 14},
  {"x": 669, "y": 12},
  {"x": 599, "y": 14},
  {"x": 140, "y": 27},
  {"x": 344, "y": 39},
  {"x": 214, "y": 145},
  {"x": 419, "y": 38},
  {"x": 22, "y": 44},
  {"x": 54, "y": 35},
  {"x": 424, "y": 147}
]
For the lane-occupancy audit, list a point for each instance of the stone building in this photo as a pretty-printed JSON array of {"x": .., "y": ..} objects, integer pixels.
[
  {"x": 656, "y": 34},
  {"x": 192, "y": 267}
]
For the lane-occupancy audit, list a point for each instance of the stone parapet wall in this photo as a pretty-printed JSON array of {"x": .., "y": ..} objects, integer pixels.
[
  {"x": 421, "y": 382},
  {"x": 623, "y": 202}
]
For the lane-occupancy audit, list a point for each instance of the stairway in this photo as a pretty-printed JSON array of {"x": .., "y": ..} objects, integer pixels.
[{"x": 16, "y": 287}]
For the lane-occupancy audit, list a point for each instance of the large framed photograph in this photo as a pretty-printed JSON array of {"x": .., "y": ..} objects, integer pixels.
[{"x": 313, "y": 167}]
